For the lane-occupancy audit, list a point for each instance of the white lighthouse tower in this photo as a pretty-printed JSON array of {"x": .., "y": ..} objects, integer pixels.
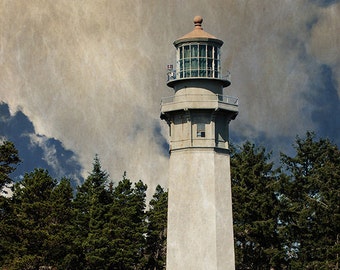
[{"x": 200, "y": 227}]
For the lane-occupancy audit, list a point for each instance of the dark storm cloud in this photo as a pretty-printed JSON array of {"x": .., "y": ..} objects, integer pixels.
[
  {"x": 321, "y": 97},
  {"x": 325, "y": 101},
  {"x": 319, "y": 101},
  {"x": 37, "y": 151},
  {"x": 160, "y": 138},
  {"x": 325, "y": 3}
]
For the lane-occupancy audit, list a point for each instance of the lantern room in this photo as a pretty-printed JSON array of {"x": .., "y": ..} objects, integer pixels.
[{"x": 197, "y": 56}]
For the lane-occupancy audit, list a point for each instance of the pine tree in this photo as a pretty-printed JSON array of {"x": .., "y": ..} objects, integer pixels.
[
  {"x": 156, "y": 234},
  {"x": 91, "y": 205},
  {"x": 60, "y": 241},
  {"x": 9, "y": 158},
  {"x": 126, "y": 227},
  {"x": 32, "y": 208},
  {"x": 256, "y": 209},
  {"x": 311, "y": 195}
]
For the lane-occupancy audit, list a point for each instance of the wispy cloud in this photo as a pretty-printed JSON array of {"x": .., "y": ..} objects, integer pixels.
[
  {"x": 37, "y": 151},
  {"x": 91, "y": 74}
]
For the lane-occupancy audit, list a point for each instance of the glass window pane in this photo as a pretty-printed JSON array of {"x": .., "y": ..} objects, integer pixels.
[
  {"x": 202, "y": 50},
  {"x": 209, "y": 69},
  {"x": 186, "y": 67},
  {"x": 203, "y": 73},
  {"x": 186, "y": 51},
  {"x": 200, "y": 130},
  {"x": 186, "y": 64},
  {"x": 210, "y": 51},
  {"x": 194, "y": 63},
  {"x": 194, "y": 51},
  {"x": 194, "y": 67},
  {"x": 216, "y": 68},
  {"x": 203, "y": 67},
  {"x": 194, "y": 73}
]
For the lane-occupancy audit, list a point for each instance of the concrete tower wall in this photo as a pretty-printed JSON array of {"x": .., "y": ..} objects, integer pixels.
[
  {"x": 199, "y": 86},
  {"x": 200, "y": 216}
]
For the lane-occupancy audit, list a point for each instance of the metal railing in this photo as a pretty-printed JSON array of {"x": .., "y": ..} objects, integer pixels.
[{"x": 200, "y": 98}]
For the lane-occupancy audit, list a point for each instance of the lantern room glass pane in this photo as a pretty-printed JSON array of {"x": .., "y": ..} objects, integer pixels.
[
  {"x": 203, "y": 50},
  {"x": 194, "y": 50},
  {"x": 186, "y": 51},
  {"x": 203, "y": 63},
  {"x": 181, "y": 68},
  {"x": 194, "y": 67},
  {"x": 209, "y": 68},
  {"x": 216, "y": 68},
  {"x": 209, "y": 51},
  {"x": 186, "y": 68}
]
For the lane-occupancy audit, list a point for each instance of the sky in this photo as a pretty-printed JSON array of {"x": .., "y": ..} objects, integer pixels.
[{"x": 80, "y": 78}]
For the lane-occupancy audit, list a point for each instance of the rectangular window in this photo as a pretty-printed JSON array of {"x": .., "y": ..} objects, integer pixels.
[
  {"x": 210, "y": 54},
  {"x": 203, "y": 68},
  {"x": 201, "y": 130},
  {"x": 215, "y": 53},
  {"x": 210, "y": 68},
  {"x": 187, "y": 67},
  {"x": 194, "y": 51},
  {"x": 186, "y": 51},
  {"x": 202, "y": 50},
  {"x": 194, "y": 67},
  {"x": 216, "y": 65}
]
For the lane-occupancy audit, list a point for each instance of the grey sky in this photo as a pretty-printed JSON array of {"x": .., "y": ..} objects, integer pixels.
[{"x": 91, "y": 73}]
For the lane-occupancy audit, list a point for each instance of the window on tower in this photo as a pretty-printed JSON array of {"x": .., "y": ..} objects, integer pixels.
[
  {"x": 198, "y": 60},
  {"x": 201, "y": 130}
]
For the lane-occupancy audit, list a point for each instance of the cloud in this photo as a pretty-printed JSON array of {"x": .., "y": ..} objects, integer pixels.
[
  {"x": 325, "y": 102},
  {"x": 277, "y": 71},
  {"x": 91, "y": 74},
  {"x": 37, "y": 151},
  {"x": 325, "y": 3},
  {"x": 62, "y": 162},
  {"x": 324, "y": 43}
]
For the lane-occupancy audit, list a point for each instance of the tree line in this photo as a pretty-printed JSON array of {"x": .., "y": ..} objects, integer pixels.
[{"x": 286, "y": 216}]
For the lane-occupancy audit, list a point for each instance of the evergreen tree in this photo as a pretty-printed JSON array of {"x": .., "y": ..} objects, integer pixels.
[
  {"x": 32, "y": 207},
  {"x": 9, "y": 158},
  {"x": 91, "y": 205},
  {"x": 126, "y": 227},
  {"x": 96, "y": 244},
  {"x": 60, "y": 241},
  {"x": 311, "y": 195},
  {"x": 156, "y": 234},
  {"x": 256, "y": 209}
]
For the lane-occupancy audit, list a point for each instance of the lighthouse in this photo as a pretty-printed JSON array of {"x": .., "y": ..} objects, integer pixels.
[{"x": 200, "y": 225}]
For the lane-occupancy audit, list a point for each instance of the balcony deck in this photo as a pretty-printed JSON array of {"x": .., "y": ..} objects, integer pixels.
[{"x": 199, "y": 101}]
